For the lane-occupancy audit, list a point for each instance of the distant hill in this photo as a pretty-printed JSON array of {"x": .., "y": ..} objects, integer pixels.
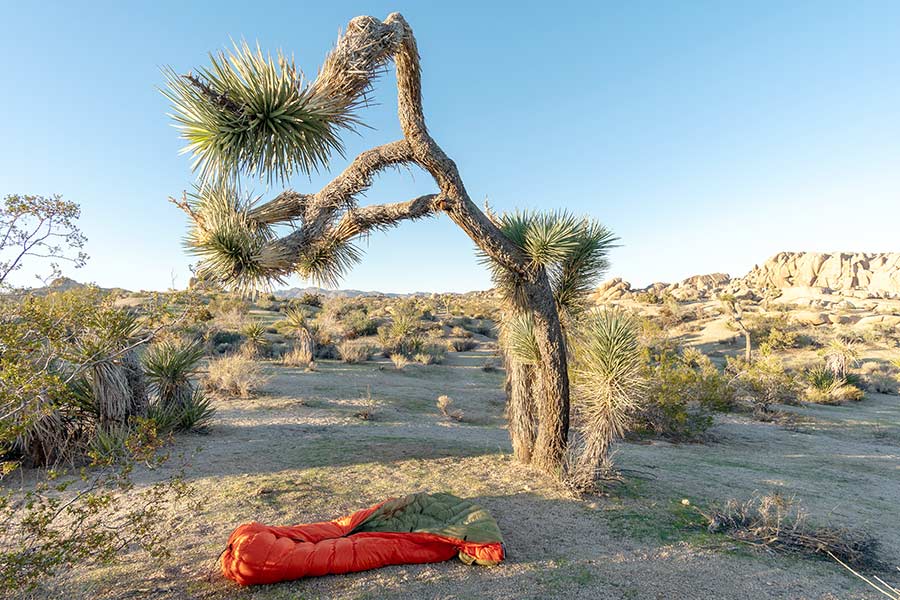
[{"x": 326, "y": 293}]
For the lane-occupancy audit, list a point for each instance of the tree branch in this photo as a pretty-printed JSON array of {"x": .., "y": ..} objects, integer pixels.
[{"x": 359, "y": 221}]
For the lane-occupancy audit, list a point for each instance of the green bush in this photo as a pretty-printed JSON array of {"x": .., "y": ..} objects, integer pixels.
[
  {"x": 683, "y": 391},
  {"x": 357, "y": 323},
  {"x": 763, "y": 382}
]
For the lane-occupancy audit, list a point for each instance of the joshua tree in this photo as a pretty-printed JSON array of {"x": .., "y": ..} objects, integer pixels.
[
  {"x": 732, "y": 307},
  {"x": 249, "y": 114}
]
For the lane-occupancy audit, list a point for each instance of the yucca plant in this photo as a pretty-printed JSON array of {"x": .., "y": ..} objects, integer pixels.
[
  {"x": 197, "y": 413},
  {"x": 169, "y": 366},
  {"x": 840, "y": 356},
  {"x": 305, "y": 343},
  {"x": 571, "y": 249},
  {"x": 607, "y": 388},
  {"x": 228, "y": 240},
  {"x": 116, "y": 388},
  {"x": 254, "y": 338}
]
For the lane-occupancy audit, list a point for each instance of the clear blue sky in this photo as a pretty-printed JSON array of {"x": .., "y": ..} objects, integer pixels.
[{"x": 708, "y": 136}]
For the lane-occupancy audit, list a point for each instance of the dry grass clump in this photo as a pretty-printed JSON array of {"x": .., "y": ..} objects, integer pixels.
[
  {"x": 879, "y": 378},
  {"x": 445, "y": 405},
  {"x": 353, "y": 352},
  {"x": 431, "y": 354},
  {"x": 400, "y": 361},
  {"x": 234, "y": 374},
  {"x": 779, "y": 524},
  {"x": 297, "y": 356},
  {"x": 489, "y": 366}
]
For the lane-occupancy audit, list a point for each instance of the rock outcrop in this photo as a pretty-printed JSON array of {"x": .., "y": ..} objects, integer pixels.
[{"x": 878, "y": 275}]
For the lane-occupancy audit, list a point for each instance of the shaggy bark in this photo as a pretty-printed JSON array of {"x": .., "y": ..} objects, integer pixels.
[{"x": 521, "y": 384}]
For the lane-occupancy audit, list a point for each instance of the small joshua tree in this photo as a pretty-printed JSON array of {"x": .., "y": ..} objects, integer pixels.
[
  {"x": 249, "y": 114},
  {"x": 731, "y": 306}
]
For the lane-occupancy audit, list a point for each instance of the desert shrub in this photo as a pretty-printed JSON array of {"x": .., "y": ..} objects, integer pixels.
[
  {"x": 400, "y": 361},
  {"x": 762, "y": 382},
  {"x": 220, "y": 337},
  {"x": 228, "y": 305},
  {"x": 671, "y": 313},
  {"x": 357, "y": 323},
  {"x": 91, "y": 517},
  {"x": 683, "y": 390},
  {"x": 670, "y": 409},
  {"x": 879, "y": 378},
  {"x": 368, "y": 410},
  {"x": 445, "y": 405},
  {"x": 234, "y": 374},
  {"x": 353, "y": 352},
  {"x": 310, "y": 299},
  {"x": 462, "y": 345},
  {"x": 467, "y": 326},
  {"x": 460, "y": 332},
  {"x": 431, "y": 354},
  {"x": 772, "y": 331},
  {"x": 648, "y": 297},
  {"x": 654, "y": 339},
  {"x": 67, "y": 365},
  {"x": 489, "y": 365}
]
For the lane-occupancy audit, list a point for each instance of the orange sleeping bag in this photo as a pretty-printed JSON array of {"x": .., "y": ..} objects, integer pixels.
[{"x": 419, "y": 528}]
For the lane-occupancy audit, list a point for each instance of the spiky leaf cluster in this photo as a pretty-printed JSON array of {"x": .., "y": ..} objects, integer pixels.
[
  {"x": 169, "y": 366},
  {"x": 228, "y": 241},
  {"x": 327, "y": 261},
  {"x": 572, "y": 249},
  {"x": 249, "y": 113},
  {"x": 607, "y": 372},
  {"x": 517, "y": 337}
]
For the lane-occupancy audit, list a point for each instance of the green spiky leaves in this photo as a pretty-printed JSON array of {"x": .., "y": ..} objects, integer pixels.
[
  {"x": 326, "y": 262},
  {"x": 572, "y": 249},
  {"x": 248, "y": 113},
  {"x": 229, "y": 243},
  {"x": 607, "y": 373},
  {"x": 518, "y": 339}
]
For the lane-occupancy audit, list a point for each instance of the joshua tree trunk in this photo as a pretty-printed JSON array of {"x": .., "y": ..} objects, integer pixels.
[
  {"x": 521, "y": 390},
  {"x": 553, "y": 399}
]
